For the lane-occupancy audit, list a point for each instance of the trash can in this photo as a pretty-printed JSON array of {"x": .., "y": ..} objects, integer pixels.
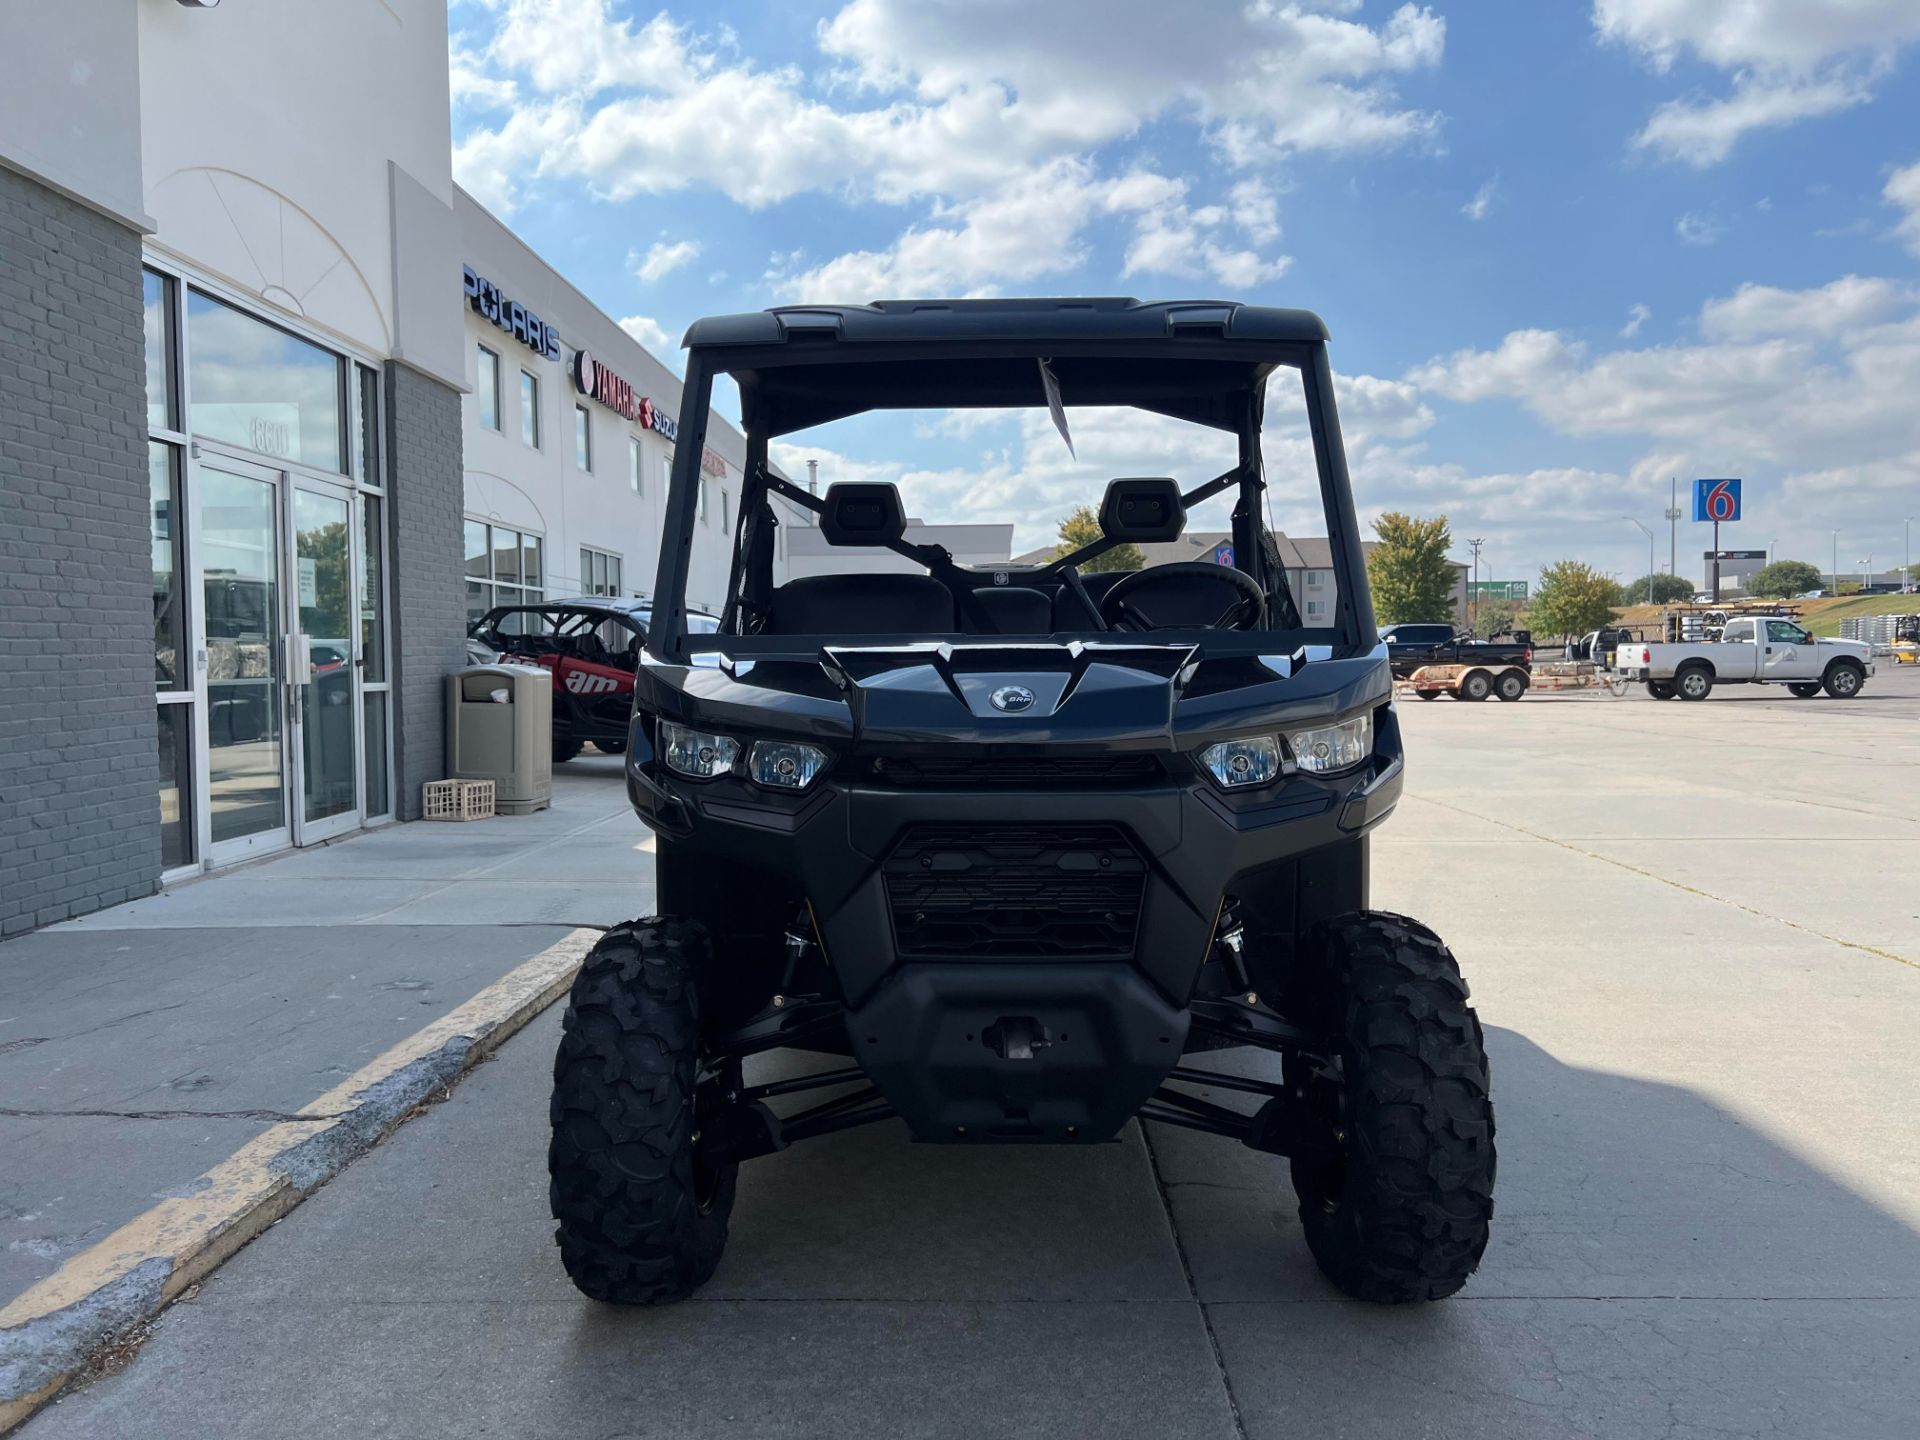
[{"x": 500, "y": 728}]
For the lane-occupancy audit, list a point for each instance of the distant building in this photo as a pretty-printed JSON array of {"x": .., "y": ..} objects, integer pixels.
[{"x": 808, "y": 553}]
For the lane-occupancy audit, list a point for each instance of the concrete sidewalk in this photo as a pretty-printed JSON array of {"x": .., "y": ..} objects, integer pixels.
[{"x": 144, "y": 1044}]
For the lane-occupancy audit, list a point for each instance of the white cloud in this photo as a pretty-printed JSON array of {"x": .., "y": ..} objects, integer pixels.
[
  {"x": 1696, "y": 229},
  {"x": 967, "y": 97},
  {"x": 1785, "y": 383},
  {"x": 1833, "y": 311},
  {"x": 1789, "y": 60},
  {"x": 1482, "y": 201},
  {"x": 1903, "y": 190},
  {"x": 469, "y": 84},
  {"x": 663, "y": 259},
  {"x": 1704, "y": 134},
  {"x": 1637, "y": 316},
  {"x": 1256, "y": 211},
  {"x": 651, "y": 334}
]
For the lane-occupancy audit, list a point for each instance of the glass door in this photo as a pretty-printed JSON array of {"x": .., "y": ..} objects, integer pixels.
[
  {"x": 241, "y": 542},
  {"x": 325, "y": 668}
]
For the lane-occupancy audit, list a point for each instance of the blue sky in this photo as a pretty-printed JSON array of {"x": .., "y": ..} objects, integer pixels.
[{"x": 1566, "y": 250}]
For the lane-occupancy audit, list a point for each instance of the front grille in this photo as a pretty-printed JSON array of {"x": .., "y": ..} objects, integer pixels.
[
  {"x": 1015, "y": 891},
  {"x": 919, "y": 772}
]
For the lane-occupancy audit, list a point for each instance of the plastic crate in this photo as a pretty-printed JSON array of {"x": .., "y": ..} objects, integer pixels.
[{"x": 457, "y": 800}]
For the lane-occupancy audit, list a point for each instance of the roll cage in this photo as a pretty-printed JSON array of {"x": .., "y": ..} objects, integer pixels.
[{"x": 1205, "y": 362}]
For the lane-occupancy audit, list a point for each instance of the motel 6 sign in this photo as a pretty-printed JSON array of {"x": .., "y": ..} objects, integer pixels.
[{"x": 1717, "y": 501}]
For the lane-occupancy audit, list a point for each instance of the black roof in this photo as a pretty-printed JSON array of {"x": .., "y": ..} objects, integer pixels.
[
  {"x": 1199, "y": 360},
  {"x": 1037, "y": 319}
]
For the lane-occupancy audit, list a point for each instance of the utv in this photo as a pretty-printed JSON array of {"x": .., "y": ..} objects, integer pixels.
[{"x": 1016, "y": 849}]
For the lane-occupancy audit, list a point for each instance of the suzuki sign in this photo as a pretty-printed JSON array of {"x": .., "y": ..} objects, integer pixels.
[{"x": 593, "y": 379}]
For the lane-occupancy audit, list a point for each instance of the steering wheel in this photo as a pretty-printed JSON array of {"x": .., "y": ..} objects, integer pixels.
[{"x": 1122, "y": 610}]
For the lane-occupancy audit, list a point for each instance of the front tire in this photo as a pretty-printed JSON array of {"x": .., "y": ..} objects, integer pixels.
[
  {"x": 565, "y": 747},
  {"x": 1398, "y": 1207},
  {"x": 642, "y": 1220},
  {"x": 1843, "y": 681}
]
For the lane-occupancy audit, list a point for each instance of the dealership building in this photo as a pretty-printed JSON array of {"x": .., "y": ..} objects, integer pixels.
[{"x": 282, "y": 407}]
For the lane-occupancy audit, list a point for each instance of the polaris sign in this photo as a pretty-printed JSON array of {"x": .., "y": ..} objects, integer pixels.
[
  {"x": 593, "y": 379},
  {"x": 491, "y": 303}
]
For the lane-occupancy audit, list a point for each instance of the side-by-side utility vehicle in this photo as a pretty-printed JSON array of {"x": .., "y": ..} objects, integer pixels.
[{"x": 1016, "y": 852}]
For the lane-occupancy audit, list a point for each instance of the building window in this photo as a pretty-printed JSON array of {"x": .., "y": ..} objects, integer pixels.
[
  {"x": 726, "y": 510},
  {"x": 160, "y": 388},
  {"x": 636, "y": 457},
  {"x": 504, "y": 567},
  {"x": 486, "y": 389},
  {"x": 666, "y": 473},
  {"x": 1316, "y": 607},
  {"x": 1316, "y": 579},
  {"x": 366, "y": 420},
  {"x": 256, "y": 386},
  {"x": 583, "y": 438},
  {"x": 704, "y": 487},
  {"x": 529, "y": 410},
  {"x": 599, "y": 572}
]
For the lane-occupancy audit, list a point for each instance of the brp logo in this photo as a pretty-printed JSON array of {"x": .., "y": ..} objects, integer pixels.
[{"x": 1012, "y": 699}]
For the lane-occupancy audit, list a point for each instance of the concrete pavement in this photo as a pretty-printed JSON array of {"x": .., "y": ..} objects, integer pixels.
[{"x": 1693, "y": 935}]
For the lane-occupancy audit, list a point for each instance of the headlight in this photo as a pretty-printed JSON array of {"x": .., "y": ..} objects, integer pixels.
[
  {"x": 785, "y": 764},
  {"x": 697, "y": 754},
  {"x": 1328, "y": 748},
  {"x": 1237, "y": 763}
]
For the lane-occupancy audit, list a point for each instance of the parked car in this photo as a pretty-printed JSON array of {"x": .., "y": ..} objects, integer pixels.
[
  {"x": 591, "y": 644},
  {"x": 1813, "y": 595},
  {"x": 1409, "y": 646},
  {"x": 1752, "y": 650}
]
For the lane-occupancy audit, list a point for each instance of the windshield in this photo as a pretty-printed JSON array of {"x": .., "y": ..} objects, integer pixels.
[{"x": 1169, "y": 520}]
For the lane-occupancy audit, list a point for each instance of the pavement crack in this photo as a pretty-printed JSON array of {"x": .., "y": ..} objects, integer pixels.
[
  {"x": 275, "y": 1116},
  {"x": 1193, "y": 1291}
]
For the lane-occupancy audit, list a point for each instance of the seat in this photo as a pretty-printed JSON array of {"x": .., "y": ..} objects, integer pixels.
[
  {"x": 842, "y": 605},
  {"x": 1014, "y": 610},
  {"x": 1069, "y": 613}
]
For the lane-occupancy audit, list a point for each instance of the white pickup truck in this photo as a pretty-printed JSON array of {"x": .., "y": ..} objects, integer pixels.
[{"x": 1752, "y": 650}]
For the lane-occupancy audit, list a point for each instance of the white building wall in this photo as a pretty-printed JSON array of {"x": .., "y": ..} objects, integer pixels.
[
  {"x": 300, "y": 213},
  {"x": 543, "y": 490}
]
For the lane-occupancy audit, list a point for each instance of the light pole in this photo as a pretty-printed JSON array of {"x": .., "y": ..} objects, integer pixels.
[
  {"x": 1673, "y": 525},
  {"x": 1473, "y": 592},
  {"x": 1836, "y": 562},
  {"x": 1866, "y": 571},
  {"x": 1909, "y": 577},
  {"x": 1650, "y": 560}
]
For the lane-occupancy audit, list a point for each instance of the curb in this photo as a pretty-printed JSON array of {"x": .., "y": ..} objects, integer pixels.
[{"x": 48, "y": 1333}]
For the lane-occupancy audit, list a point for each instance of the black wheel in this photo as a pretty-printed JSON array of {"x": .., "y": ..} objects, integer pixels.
[
  {"x": 1843, "y": 680},
  {"x": 1397, "y": 1206},
  {"x": 642, "y": 1220},
  {"x": 611, "y": 747},
  {"x": 1660, "y": 689},
  {"x": 565, "y": 747},
  {"x": 1428, "y": 694},
  {"x": 1693, "y": 683},
  {"x": 1806, "y": 689},
  {"x": 1477, "y": 685},
  {"x": 1511, "y": 686}
]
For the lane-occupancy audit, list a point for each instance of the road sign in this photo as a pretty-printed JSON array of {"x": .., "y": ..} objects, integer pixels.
[
  {"x": 1223, "y": 555},
  {"x": 1717, "y": 501},
  {"x": 1497, "y": 589}
]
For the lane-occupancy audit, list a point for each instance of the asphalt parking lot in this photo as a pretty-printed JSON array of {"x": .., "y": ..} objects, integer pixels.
[{"x": 1693, "y": 932}]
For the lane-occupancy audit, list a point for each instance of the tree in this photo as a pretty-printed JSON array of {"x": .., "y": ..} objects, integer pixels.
[
  {"x": 1497, "y": 617},
  {"x": 1571, "y": 599},
  {"x": 1082, "y": 527},
  {"x": 1666, "y": 590},
  {"x": 1785, "y": 578},
  {"x": 1412, "y": 578}
]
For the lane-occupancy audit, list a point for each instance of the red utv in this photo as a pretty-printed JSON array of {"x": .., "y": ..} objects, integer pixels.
[{"x": 591, "y": 644}]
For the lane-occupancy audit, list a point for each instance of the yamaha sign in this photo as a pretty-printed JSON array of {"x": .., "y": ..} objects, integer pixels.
[{"x": 596, "y": 381}]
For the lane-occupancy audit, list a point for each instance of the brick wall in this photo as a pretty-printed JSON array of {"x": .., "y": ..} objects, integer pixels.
[
  {"x": 79, "y": 806},
  {"x": 427, "y": 490}
]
